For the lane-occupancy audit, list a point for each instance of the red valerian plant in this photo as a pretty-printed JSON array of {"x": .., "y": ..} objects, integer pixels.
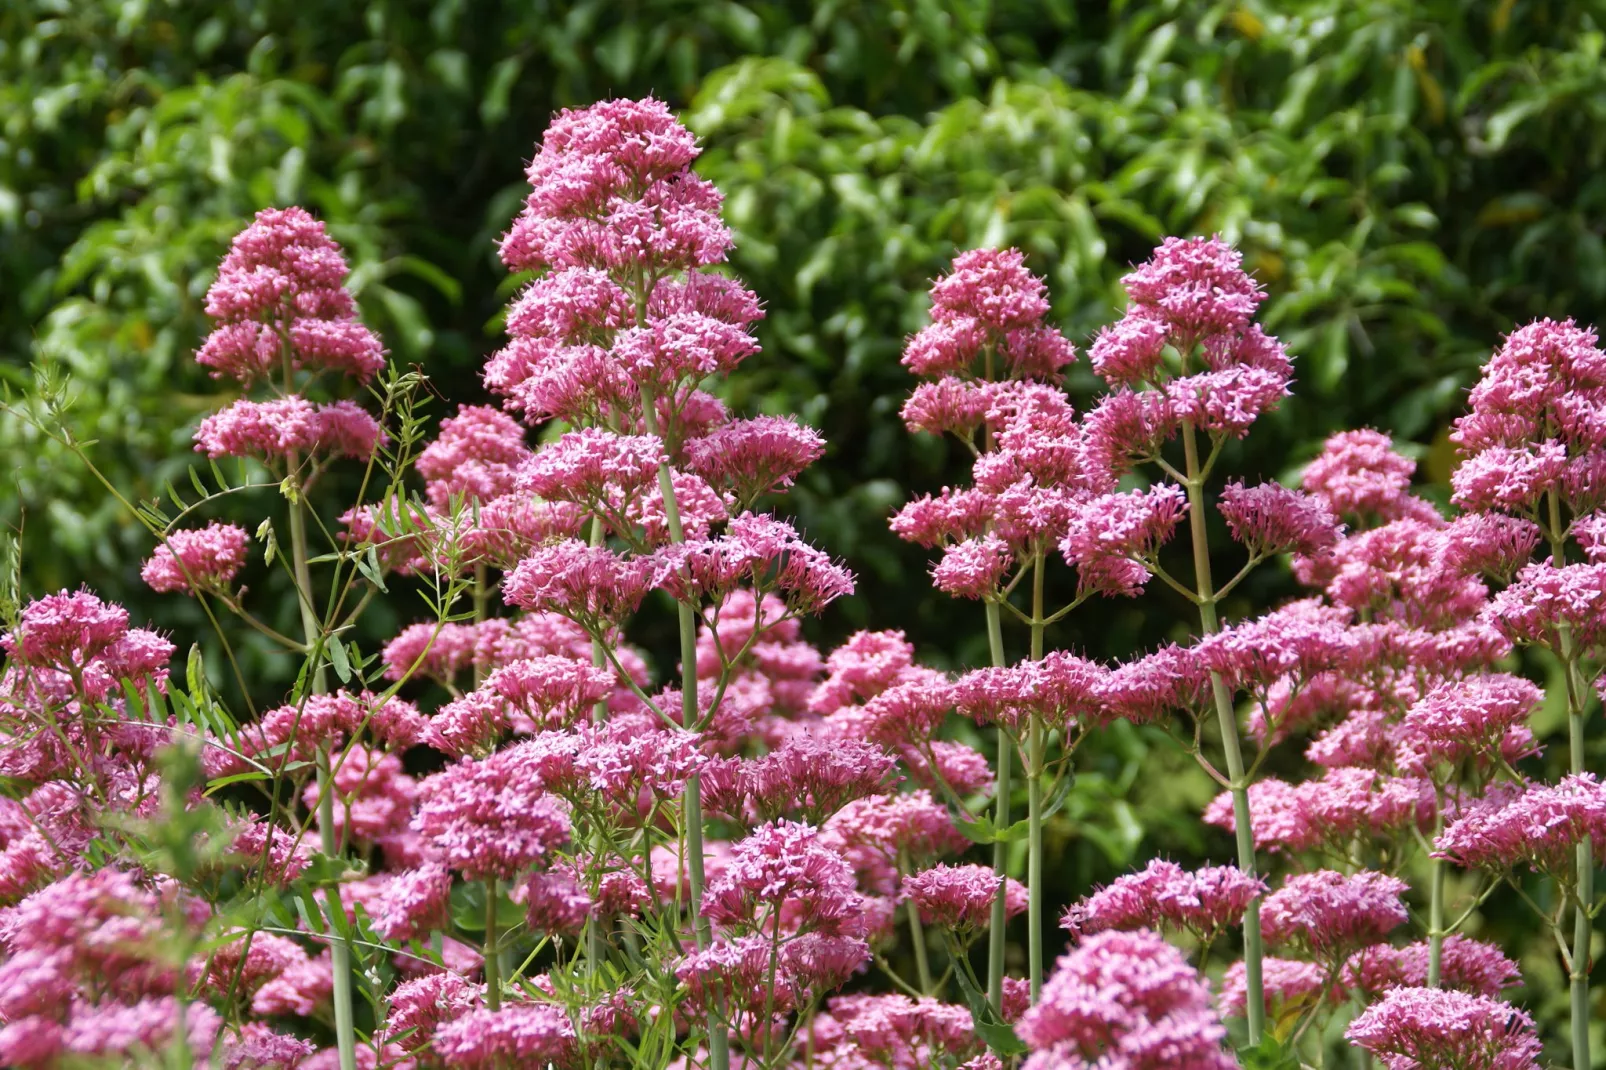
[{"x": 509, "y": 839}]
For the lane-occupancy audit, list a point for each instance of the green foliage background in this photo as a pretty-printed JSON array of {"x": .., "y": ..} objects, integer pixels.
[{"x": 1409, "y": 178}]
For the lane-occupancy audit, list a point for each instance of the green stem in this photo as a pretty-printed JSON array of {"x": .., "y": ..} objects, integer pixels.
[
  {"x": 1435, "y": 920},
  {"x": 1255, "y": 1002},
  {"x": 339, "y": 949},
  {"x": 917, "y": 936},
  {"x": 493, "y": 954},
  {"x": 1584, "y": 889},
  {"x": 718, "y": 1039},
  {"x": 1035, "y": 739},
  {"x": 996, "y": 937}
]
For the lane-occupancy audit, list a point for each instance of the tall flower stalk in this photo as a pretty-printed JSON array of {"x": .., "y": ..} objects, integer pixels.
[{"x": 1227, "y": 723}]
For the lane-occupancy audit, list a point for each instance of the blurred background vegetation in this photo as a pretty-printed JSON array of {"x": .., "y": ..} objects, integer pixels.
[{"x": 1409, "y": 178}]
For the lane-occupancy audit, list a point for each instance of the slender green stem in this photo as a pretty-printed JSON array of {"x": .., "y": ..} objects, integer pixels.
[
  {"x": 1435, "y": 920},
  {"x": 1035, "y": 740},
  {"x": 339, "y": 949},
  {"x": 996, "y": 937},
  {"x": 492, "y": 953},
  {"x": 718, "y": 1038},
  {"x": 1227, "y": 716},
  {"x": 917, "y": 937},
  {"x": 1584, "y": 890}
]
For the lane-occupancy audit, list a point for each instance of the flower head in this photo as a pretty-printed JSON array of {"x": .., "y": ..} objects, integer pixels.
[
  {"x": 1126, "y": 1000},
  {"x": 1419, "y": 1027}
]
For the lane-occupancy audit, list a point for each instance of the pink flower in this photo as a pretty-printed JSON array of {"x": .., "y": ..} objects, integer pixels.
[
  {"x": 440, "y": 651},
  {"x": 893, "y": 1030},
  {"x": 554, "y": 903},
  {"x": 1490, "y": 542},
  {"x": 414, "y": 902},
  {"x": 757, "y": 551},
  {"x": 489, "y": 818},
  {"x": 1417, "y": 1027},
  {"x": 1226, "y": 402},
  {"x": 1479, "y": 718},
  {"x": 973, "y": 568},
  {"x": 749, "y": 458},
  {"x": 1543, "y": 597},
  {"x": 420, "y": 1006},
  {"x": 590, "y": 585},
  {"x": 477, "y": 453},
  {"x": 1113, "y": 535},
  {"x": 952, "y": 516},
  {"x": 947, "y": 405},
  {"x": 279, "y": 296},
  {"x": 520, "y": 1034},
  {"x": 816, "y": 777},
  {"x": 1144, "y": 690},
  {"x": 1124, "y": 1000},
  {"x": 1129, "y": 351},
  {"x": 991, "y": 286},
  {"x": 1359, "y": 476},
  {"x": 276, "y": 429},
  {"x": 1332, "y": 811},
  {"x": 961, "y": 897},
  {"x": 683, "y": 346},
  {"x": 1271, "y": 519},
  {"x": 1539, "y": 826},
  {"x": 205, "y": 558},
  {"x": 738, "y": 971},
  {"x": 1127, "y": 426},
  {"x": 864, "y": 666},
  {"x": 574, "y": 305},
  {"x": 783, "y": 874},
  {"x": 1291, "y": 987},
  {"x": 1059, "y": 687},
  {"x": 1333, "y": 915},
  {"x": 1163, "y": 894},
  {"x": 1466, "y": 964},
  {"x": 1590, "y": 533},
  {"x": 1512, "y": 478},
  {"x": 584, "y": 466},
  {"x": 912, "y": 825},
  {"x": 373, "y": 797},
  {"x": 1196, "y": 286}
]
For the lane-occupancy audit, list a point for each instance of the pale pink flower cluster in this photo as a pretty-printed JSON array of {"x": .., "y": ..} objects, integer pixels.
[
  {"x": 200, "y": 559},
  {"x": 280, "y": 300},
  {"x": 281, "y": 306},
  {"x": 1534, "y": 424},
  {"x": 1362, "y": 479},
  {"x": 1124, "y": 1001},
  {"x": 1418, "y": 1027},
  {"x": 961, "y": 897},
  {"x": 1345, "y": 804},
  {"x": 1163, "y": 895},
  {"x": 1534, "y": 825},
  {"x": 1331, "y": 915}
]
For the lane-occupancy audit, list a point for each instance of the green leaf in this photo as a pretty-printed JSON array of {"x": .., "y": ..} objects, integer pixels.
[
  {"x": 998, "y": 1034},
  {"x": 337, "y": 658},
  {"x": 1269, "y": 1054}
]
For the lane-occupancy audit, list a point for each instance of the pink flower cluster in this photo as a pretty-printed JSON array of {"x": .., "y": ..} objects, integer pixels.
[
  {"x": 1163, "y": 895},
  {"x": 1534, "y": 424},
  {"x": 281, "y": 306},
  {"x": 1126, "y": 1000},
  {"x": 200, "y": 559},
  {"x": 1417, "y": 1027}
]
